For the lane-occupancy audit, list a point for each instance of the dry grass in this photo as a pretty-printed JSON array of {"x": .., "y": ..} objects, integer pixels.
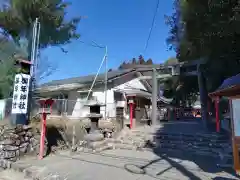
[
  {"x": 64, "y": 125},
  {"x": 5, "y": 122}
]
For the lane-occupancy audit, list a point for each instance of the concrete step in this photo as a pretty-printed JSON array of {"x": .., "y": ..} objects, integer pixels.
[
  {"x": 202, "y": 137},
  {"x": 206, "y": 136},
  {"x": 197, "y": 141},
  {"x": 205, "y": 143}
]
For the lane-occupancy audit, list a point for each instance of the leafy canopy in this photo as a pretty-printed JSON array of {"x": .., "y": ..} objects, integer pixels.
[
  {"x": 18, "y": 16},
  {"x": 8, "y": 50},
  {"x": 16, "y": 21},
  {"x": 207, "y": 29},
  {"x": 132, "y": 63}
]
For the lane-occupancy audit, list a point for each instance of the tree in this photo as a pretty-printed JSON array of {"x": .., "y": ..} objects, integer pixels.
[
  {"x": 122, "y": 66},
  {"x": 141, "y": 60},
  {"x": 16, "y": 21},
  {"x": 45, "y": 68},
  {"x": 134, "y": 61},
  {"x": 175, "y": 26},
  {"x": 9, "y": 53},
  {"x": 7, "y": 72},
  {"x": 171, "y": 61},
  {"x": 207, "y": 29},
  {"x": 8, "y": 50},
  {"x": 149, "y": 62},
  {"x": 17, "y": 18},
  {"x": 180, "y": 88}
]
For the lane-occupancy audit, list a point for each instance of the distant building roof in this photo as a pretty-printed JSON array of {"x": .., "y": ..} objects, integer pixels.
[
  {"x": 82, "y": 81},
  {"x": 230, "y": 82},
  {"x": 144, "y": 69},
  {"x": 88, "y": 79},
  {"x": 229, "y": 87},
  {"x": 135, "y": 92}
]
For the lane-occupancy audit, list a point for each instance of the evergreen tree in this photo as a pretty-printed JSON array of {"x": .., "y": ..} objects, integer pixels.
[
  {"x": 149, "y": 62},
  {"x": 17, "y": 18},
  {"x": 207, "y": 29}
]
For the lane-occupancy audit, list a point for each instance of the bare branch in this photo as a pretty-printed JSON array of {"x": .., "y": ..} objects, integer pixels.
[{"x": 44, "y": 68}]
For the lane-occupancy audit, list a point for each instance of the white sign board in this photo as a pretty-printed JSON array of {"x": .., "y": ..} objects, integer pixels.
[
  {"x": 236, "y": 116},
  {"x": 20, "y": 94}
]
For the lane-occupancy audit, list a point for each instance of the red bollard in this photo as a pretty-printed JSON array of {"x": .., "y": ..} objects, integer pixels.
[{"x": 45, "y": 104}]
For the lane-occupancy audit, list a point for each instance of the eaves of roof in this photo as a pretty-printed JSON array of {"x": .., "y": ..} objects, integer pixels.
[{"x": 71, "y": 86}]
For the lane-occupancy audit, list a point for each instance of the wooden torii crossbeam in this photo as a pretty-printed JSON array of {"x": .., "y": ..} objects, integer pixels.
[{"x": 175, "y": 71}]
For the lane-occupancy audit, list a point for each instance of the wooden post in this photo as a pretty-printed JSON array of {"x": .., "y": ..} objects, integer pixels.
[
  {"x": 44, "y": 103},
  {"x": 154, "y": 96},
  {"x": 203, "y": 96},
  {"x": 74, "y": 139},
  {"x": 131, "y": 104},
  {"x": 217, "y": 114},
  {"x": 168, "y": 114},
  {"x": 120, "y": 114}
]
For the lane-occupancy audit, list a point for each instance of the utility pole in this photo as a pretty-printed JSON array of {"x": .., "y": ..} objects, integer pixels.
[
  {"x": 22, "y": 98},
  {"x": 104, "y": 60},
  {"x": 154, "y": 96},
  {"x": 203, "y": 96},
  {"x": 33, "y": 52},
  {"x": 106, "y": 79}
]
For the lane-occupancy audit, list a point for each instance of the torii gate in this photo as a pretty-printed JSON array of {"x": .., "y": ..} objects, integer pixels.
[{"x": 175, "y": 70}]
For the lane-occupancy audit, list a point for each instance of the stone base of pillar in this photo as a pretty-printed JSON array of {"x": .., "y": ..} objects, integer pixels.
[
  {"x": 120, "y": 118},
  {"x": 134, "y": 123},
  {"x": 94, "y": 136},
  {"x": 128, "y": 124},
  {"x": 94, "y": 140}
]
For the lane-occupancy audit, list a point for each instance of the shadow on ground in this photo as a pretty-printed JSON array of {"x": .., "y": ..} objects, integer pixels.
[
  {"x": 53, "y": 137},
  {"x": 206, "y": 163},
  {"x": 221, "y": 178}
]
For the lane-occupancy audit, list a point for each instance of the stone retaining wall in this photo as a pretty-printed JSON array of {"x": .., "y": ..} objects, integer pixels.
[{"x": 16, "y": 142}]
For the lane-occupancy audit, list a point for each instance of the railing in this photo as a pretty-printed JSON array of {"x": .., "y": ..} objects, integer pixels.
[
  {"x": 178, "y": 113},
  {"x": 64, "y": 107},
  {"x": 77, "y": 109},
  {"x": 186, "y": 113}
]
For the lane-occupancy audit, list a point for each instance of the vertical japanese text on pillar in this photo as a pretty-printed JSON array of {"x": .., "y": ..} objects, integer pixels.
[{"x": 20, "y": 94}]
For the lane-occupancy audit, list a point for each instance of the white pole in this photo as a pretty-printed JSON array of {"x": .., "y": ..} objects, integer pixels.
[
  {"x": 34, "y": 39},
  {"x": 90, "y": 90},
  {"x": 33, "y": 51},
  {"x": 106, "y": 78},
  {"x": 37, "y": 53},
  {"x": 154, "y": 96}
]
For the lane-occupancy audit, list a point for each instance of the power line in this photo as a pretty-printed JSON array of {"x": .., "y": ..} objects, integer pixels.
[
  {"x": 93, "y": 44},
  {"x": 153, "y": 22}
]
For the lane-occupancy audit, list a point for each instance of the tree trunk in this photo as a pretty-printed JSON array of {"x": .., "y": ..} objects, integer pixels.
[{"x": 203, "y": 97}]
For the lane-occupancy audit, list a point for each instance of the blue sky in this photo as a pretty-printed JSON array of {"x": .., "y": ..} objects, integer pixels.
[{"x": 122, "y": 25}]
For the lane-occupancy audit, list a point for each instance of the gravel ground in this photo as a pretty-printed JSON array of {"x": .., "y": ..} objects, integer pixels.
[{"x": 11, "y": 175}]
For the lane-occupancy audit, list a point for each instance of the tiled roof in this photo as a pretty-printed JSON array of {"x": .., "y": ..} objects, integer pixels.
[{"x": 87, "y": 79}]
